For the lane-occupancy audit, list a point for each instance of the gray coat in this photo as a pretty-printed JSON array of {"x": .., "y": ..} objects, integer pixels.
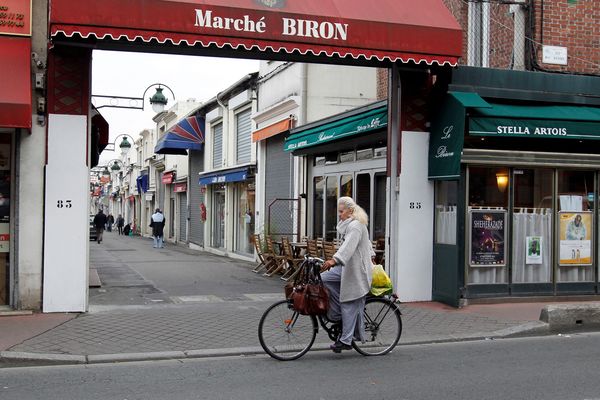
[{"x": 355, "y": 257}]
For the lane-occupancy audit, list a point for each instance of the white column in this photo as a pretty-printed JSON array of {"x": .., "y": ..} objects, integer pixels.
[
  {"x": 66, "y": 228},
  {"x": 414, "y": 248}
]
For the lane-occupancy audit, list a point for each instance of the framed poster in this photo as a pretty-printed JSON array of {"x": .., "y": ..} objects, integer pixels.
[
  {"x": 487, "y": 238},
  {"x": 534, "y": 250},
  {"x": 575, "y": 238}
]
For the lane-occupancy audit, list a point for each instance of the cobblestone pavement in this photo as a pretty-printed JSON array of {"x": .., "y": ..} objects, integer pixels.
[
  {"x": 178, "y": 299},
  {"x": 220, "y": 324}
]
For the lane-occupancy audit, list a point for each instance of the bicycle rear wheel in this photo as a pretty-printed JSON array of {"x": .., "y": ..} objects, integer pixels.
[
  {"x": 383, "y": 327},
  {"x": 285, "y": 334}
]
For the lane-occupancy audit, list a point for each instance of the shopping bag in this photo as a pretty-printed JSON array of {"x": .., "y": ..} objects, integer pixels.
[{"x": 382, "y": 284}]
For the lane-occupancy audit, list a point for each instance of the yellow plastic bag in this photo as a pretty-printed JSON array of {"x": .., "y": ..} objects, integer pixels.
[{"x": 382, "y": 284}]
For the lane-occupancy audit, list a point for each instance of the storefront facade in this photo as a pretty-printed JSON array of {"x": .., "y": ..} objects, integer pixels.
[
  {"x": 346, "y": 156},
  {"x": 516, "y": 167}
]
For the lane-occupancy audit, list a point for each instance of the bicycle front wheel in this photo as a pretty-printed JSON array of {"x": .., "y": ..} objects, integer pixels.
[
  {"x": 285, "y": 334},
  {"x": 383, "y": 327}
]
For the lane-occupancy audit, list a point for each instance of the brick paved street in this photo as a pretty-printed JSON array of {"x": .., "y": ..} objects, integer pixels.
[{"x": 178, "y": 299}]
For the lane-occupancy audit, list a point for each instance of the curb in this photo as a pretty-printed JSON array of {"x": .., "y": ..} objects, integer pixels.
[{"x": 534, "y": 328}]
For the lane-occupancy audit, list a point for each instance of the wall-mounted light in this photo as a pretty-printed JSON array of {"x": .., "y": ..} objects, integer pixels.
[{"x": 502, "y": 181}]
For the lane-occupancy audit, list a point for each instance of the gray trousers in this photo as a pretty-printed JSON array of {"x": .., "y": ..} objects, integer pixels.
[{"x": 349, "y": 312}]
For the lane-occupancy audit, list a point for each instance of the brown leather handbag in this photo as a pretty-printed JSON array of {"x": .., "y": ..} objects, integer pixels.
[{"x": 310, "y": 297}]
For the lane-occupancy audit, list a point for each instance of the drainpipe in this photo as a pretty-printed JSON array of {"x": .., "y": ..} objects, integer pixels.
[
  {"x": 393, "y": 149},
  {"x": 301, "y": 164}
]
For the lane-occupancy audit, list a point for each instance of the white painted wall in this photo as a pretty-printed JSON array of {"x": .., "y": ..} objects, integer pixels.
[
  {"x": 415, "y": 221},
  {"x": 66, "y": 216},
  {"x": 332, "y": 89}
]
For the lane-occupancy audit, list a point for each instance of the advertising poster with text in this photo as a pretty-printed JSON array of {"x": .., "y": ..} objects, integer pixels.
[
  {"x": 575, "y": 238},
  {"x": 488, "y": 237}
]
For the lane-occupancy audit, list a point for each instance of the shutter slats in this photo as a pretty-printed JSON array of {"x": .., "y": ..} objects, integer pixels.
[
  {"x": 218, "y": 146},
  {"x": 243, "y": 137}
]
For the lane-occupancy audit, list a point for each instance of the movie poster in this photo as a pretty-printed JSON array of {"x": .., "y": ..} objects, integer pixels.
[
  {"x": 575, "y": 238},
  {"x": 488, "y": 238}
]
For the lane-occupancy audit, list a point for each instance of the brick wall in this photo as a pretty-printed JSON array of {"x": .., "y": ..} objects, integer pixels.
[
  {"x": 573, "y": 24},
  {"x": 382, "y": 83}
]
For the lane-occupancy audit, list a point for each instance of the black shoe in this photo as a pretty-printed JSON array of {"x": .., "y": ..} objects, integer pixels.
[{"x": 338, "y": 346}]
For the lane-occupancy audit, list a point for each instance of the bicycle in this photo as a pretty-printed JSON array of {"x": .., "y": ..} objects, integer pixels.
[{"x": 286, "y": 335}]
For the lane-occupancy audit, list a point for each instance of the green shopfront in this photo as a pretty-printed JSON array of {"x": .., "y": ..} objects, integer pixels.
[
  {"x": 346, "y": 156},
  {"x": 515, "y": 160}
]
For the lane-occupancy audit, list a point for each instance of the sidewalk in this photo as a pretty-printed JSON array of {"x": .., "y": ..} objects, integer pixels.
[{"x": 178, "y": 303}]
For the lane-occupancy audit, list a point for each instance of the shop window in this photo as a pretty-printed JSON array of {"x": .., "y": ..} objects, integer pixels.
[
  {"x": 245, "y": 217},
  {"x": 347, "y": 157},
  {"x": 365, "y": 154},
  {"x": 380, "y": 208},
  {"x": 331, "y": 208},
  {"x": 346, "y": 186},
  {"x": 380, "y": 152},
  {"x": 532, "y": 226},
  {"x": 575, "y": 226},
  {"x": 318, "y": 189},
  {"x": 446, "y": 194},
  {"x": 218, "y": 210},
  {"x": 363, "y": 193},
  {"x": 487, "y": 220}
]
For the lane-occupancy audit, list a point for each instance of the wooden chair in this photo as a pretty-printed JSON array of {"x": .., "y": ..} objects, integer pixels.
[
  {"x": 278, "y": 261},
  {"x": 265, "y": 260},
  {"x": 312, "y": 248},
  {"x": 380, "y": 245},
  {"x": 328, "y": 250},
  {"x": 292, "y": 262}
]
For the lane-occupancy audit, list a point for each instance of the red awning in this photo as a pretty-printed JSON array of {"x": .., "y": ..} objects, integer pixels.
[
  {"x": 168, "y": 177},
  {"x": 15, "y": 94},
  {"x": 396, "y": 30}
]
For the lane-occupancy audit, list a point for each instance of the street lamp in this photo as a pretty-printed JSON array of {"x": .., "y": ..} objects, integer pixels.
[
  {"x": 158, "y": 101},
  {"x": 124, "y": 146}
]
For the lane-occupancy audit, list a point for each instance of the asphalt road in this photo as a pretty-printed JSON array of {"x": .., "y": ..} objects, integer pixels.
[{"x": 557, "y": 367}]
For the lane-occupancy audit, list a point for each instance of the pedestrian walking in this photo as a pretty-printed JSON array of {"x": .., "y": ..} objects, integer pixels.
[
  {"x": 100, "y": 222},
  {"x": 110, "y": 220},
  {"x": 349, "y": 274},
  {"x": 157, "y": 223},
  {"x": 120, "y": 224}
]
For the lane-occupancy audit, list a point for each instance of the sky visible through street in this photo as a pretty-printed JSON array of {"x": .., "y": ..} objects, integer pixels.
[{"x": 129, "y": 74}]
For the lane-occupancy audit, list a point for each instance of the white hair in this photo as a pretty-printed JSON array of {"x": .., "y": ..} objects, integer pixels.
[{"x": 358, "y": 213}]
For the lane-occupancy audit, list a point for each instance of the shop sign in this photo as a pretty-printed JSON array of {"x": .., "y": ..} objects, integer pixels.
[
  {"x": 555, "y": 55},
  {"x": 168, "y": 178},
  {"x": 533, "y": 128},
  {"x": 148, "y": 197},
  {"x": 15, "y": 17},
  {"x": 446, "y": 141},
  {"x": 4, "y": 238},
  {"x": 487, "y": 238},
  {"x": 180, "y": 187},
  {"x": 575, "y": 237}
]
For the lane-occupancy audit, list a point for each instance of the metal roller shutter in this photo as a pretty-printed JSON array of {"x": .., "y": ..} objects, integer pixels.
[
  {"x": 279, "y": 175},
  {"x": 196, "y": 232},
  {"x": 218, "y": 146},
  {"x": 243, "y": 125},
  {"x": 182, "y": 217}
]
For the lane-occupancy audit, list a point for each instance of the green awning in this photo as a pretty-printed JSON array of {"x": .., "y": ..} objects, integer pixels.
[
  {"x": 447, "y": 135},
  {"x": 358, "y": 124},
  {"x": 561, "y": 122}
]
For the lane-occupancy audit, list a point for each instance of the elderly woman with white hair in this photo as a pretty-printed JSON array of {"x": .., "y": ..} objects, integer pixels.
[{"x": 349, "y": 274}]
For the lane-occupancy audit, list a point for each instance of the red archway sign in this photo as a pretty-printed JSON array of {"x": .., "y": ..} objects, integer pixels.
[{"x": 421, "y": 31}]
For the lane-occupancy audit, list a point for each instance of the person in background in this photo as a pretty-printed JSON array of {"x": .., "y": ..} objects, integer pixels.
[
  {"x": 110, "y": 220},
  {"x": 100, "y": 222},
  {"x": 157, "y": 223},
  {"x": 120, "y": 223}
]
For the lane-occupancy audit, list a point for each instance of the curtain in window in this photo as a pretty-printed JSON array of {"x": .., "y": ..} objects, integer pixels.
[{"x": 532, "y": 222}]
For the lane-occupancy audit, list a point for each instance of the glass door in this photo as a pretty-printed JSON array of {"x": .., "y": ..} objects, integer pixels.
[
  {"x": 532, "y": 230},
  {"x": 218, "y": 233}
]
